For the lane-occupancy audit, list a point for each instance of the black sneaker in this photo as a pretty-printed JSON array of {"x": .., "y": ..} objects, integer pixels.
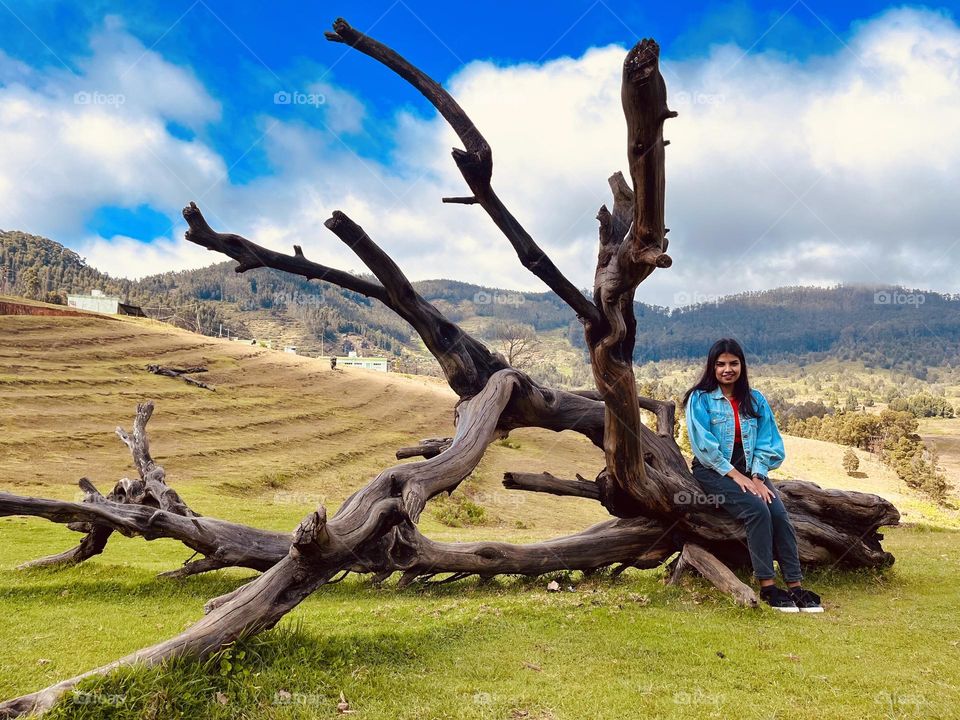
[
  {"x": 806, "y": 600},
  {"x": 778, "y": 599}
]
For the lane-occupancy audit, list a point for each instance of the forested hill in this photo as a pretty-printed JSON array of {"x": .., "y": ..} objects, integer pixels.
[
  {"x": 262, "y": 303},
  {"x": 885, "y": 327},
  {"x": 35, "y": 267}
]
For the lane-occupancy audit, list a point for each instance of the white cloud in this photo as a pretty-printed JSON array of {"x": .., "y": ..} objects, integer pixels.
[
  {"x": 122, "y": 256},
  {"x": 852, "y": 153},
  {"x": 344, "y": 112},
  {"x": 151, "y": 86},
  {"x": 73, "y": 142},
  {"x": 837, "y": 169}
]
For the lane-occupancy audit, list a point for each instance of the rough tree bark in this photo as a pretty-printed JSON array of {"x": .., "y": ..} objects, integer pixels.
[{"x": 646, "y": 483}]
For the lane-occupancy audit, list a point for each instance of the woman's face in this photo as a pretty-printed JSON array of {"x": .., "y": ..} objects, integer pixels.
[{"x": 727, "y": 368}]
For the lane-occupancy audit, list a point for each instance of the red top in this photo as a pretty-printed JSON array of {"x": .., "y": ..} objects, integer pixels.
[{"x": 736, "y": 418}]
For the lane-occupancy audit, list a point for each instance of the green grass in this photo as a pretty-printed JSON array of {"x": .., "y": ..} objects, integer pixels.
[{"x": 887, "y": 647}]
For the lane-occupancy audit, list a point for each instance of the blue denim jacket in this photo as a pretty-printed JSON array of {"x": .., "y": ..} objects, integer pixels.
[{"x": 711, "y": 430}]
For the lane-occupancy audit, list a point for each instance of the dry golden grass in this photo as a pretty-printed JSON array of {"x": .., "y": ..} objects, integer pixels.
[
  {"x": 821, "y": 462},
  {"x": 943, "y": 433}
]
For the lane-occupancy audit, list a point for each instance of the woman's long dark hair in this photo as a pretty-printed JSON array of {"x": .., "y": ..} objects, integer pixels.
[{"x": 708, "y": 380}]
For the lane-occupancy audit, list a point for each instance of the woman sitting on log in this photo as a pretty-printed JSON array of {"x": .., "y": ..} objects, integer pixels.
[{"x": 732, "y": 429}]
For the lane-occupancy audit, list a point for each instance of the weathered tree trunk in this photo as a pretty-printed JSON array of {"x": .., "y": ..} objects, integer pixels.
[
  {"x": 632, "y": 244},
  {"x": 320, "y": 549},
  {"x": 645, "y": 483}
]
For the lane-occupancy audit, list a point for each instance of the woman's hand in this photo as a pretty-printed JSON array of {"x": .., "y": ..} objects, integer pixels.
[
  {"x": 746, "y": 484},
  {"x": 765, "y": 493}
]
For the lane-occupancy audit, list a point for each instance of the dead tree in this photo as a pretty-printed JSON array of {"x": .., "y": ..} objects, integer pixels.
[{"x": 645, "y": 483}]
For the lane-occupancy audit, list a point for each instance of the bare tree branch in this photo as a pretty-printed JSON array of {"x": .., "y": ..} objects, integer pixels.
[
  {"x": 699, "y": 559},
  {"x": 250, "y": 255},
  {"x": 475, "y": 163}
]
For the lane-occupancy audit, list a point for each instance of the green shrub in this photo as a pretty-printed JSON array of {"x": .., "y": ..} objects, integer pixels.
[{"x": 459, "y": 511}]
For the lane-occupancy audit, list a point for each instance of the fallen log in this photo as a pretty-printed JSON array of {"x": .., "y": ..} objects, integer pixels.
[
  {"x": 182, "y": 373},
  {"x": 428, "y": 448}
]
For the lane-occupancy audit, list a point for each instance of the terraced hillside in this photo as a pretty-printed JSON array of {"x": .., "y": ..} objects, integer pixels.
[{"x": 280, "y": 433}]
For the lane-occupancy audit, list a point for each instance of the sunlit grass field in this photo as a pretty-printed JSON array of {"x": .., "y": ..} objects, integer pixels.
[{"x": 282, "y": 434}]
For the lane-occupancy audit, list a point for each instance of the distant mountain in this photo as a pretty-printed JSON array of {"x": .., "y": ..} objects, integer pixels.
[{"x": 881, "y": 326}]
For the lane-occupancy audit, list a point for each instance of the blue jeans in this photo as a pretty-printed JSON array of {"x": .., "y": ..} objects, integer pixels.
[{"x": 768, "y": 525}]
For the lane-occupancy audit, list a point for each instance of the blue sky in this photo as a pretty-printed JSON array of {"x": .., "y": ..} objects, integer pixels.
[{"x": 198, "y": 82}]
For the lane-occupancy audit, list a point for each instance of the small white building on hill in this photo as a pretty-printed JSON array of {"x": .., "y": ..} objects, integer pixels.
[
  {"x": 367, "y": 363},
  {"x": 378, "y": 364},
  {"x": 96, "y": 301}
]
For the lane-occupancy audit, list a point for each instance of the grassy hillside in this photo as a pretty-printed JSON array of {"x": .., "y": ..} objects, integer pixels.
[
  {"x": 282, "y": 433},
  {"x": 613, "y": 649}
]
